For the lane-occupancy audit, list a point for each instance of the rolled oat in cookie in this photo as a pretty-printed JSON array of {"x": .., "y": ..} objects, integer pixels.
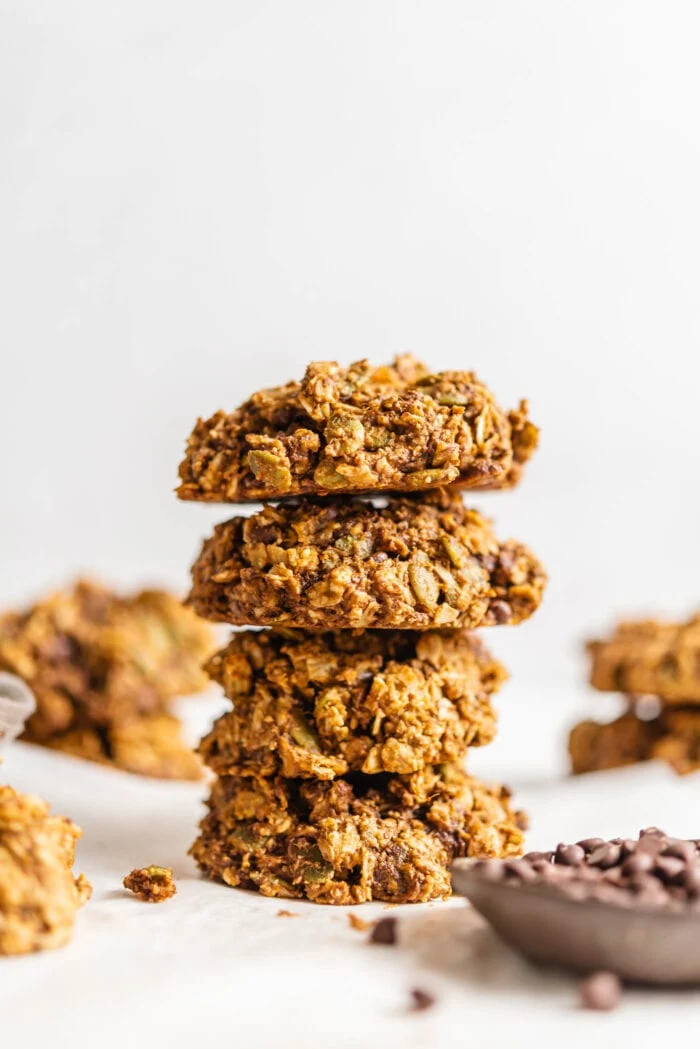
[
  {"x": 322, "y": 705},
  {"x": 355, "y": 430},
  {"x": 419, "y": 562},
  {"x": 355, "y": 839}
]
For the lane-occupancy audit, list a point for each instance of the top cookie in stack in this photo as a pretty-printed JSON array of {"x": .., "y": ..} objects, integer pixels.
[
  {"x": 330, "y": 784},
  {"x": 358, "y": 430}
]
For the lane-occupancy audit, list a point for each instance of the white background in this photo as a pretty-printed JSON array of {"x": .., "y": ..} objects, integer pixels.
[{"x": 197, "y": 199}]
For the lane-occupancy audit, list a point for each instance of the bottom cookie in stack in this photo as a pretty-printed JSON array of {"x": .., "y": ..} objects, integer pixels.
[
  {"x": 353, "y": 839},
  {"x": 673, "y": 735}
]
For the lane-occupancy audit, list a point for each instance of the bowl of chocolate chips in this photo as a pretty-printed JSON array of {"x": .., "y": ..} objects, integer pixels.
[{"x": 624, "y": 906}]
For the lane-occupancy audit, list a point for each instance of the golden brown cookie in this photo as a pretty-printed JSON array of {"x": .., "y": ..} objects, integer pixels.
[
  {"x": 351, "y": 840},
  {"x": 672, "y": 736},
  {"x": 595, "y": 746},
  {"x": 322, "y": 705},
  {"x": 98, "y": 663},
  {"x": 650, "y": 657},
  {"x": 359, "y": 429},
  {"x": 39, "y": 896},
  {"x": 152, "y": 745},
  {"x": 417, "y": 563}
]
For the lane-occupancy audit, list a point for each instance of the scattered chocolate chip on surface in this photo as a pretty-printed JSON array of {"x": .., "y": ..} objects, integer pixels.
[
  {"x": 421, "y": 1000},
  {"x": 385, "y": 932},
  {"x": 601, "y": 991}
]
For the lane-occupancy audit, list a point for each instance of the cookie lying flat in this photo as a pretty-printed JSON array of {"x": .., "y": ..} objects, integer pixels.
[
  {"x": 358, "y": 429},
  {"x": 596, "y": 746},
  {"x": 651, "y": 658},
  {"x": 98, "y": 662},
  {"x": 420, "y": 562},
  {"x": 321, "y": 705},
  {"x": 672, "y": 736},
  {"x": 152, "y": 745},
  {"x": 352, "y": 840},
  {"x": 39, "y": 896}
]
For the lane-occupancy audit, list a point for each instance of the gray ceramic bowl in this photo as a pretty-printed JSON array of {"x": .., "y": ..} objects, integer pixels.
[{"x": 640, "y": 945}]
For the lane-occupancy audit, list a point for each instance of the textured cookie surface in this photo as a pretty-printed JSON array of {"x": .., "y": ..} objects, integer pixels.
[
  {"x": 672, "y": 736},
  {"x": 39, "y": 895},
  {"x": 414, "y": 564},
  {"x": 99, "y": 663},
  {"x": 322, "y": 705},
  {"x": 152, "y": 745},
  {"x": 358, "y": 429},
  {"x": 352, "y": 840},
  {"x": 651, "y": 658}
]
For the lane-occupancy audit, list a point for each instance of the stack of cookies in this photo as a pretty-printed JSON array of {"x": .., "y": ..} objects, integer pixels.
[
  {"x": 656, "y": 666},
  {"x": 340, "y": 770}
]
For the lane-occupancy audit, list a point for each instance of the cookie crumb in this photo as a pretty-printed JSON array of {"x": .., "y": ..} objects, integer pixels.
[
  {"x": 421, "y": 1000},
  {"x": 384, "y": 932},
  {"x": 151, "y": 884},
  {"x": 601, "y": 991},
  {"x": 359, "y": 924},
  {"x": 287, "y": 914}
]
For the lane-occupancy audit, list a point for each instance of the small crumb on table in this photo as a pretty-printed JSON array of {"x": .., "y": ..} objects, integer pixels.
[
  {"x": 151, "y": 884},
  {"x": 359, "y": 924},
  {"x": 287, "y": 914}
]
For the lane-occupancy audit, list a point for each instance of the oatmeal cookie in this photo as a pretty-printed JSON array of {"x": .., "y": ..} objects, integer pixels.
[
  {"x": 355, "y": 839},
  {"x": 322, "y": 705},
  {"x": 148, "y": 746},
  {"x": 358, "y": 429},
  {"x": 98, "y": 662},
  {"x": 417, "y": 563},
  {"x": 595, "y": 746},
  {"x": 39, "y": 896},
  {"x": 649, "y": 657},
  {"x": 672, "y": 736}
]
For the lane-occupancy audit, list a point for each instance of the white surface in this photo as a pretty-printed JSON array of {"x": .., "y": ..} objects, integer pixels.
[
  {"x": 199, "y": 198},
  {"x": 216, "y": 966}
]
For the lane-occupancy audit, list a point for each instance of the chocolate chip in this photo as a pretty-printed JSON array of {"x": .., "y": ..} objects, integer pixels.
[
  {"x": 638, "y": 863},
  {"x": 670, "y": 868},
  {"x": 501, "y": 612},
  {"x": 590, "y": 844},
  {"x": 569, "y": 855},
  {"x": 684, "y": 850},
  {"x": 384, "y": 932},
  {"x": 605, "y": 856},
  {"x": 421, "y": 1000},
  {"x": 601, "y": 991}
]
